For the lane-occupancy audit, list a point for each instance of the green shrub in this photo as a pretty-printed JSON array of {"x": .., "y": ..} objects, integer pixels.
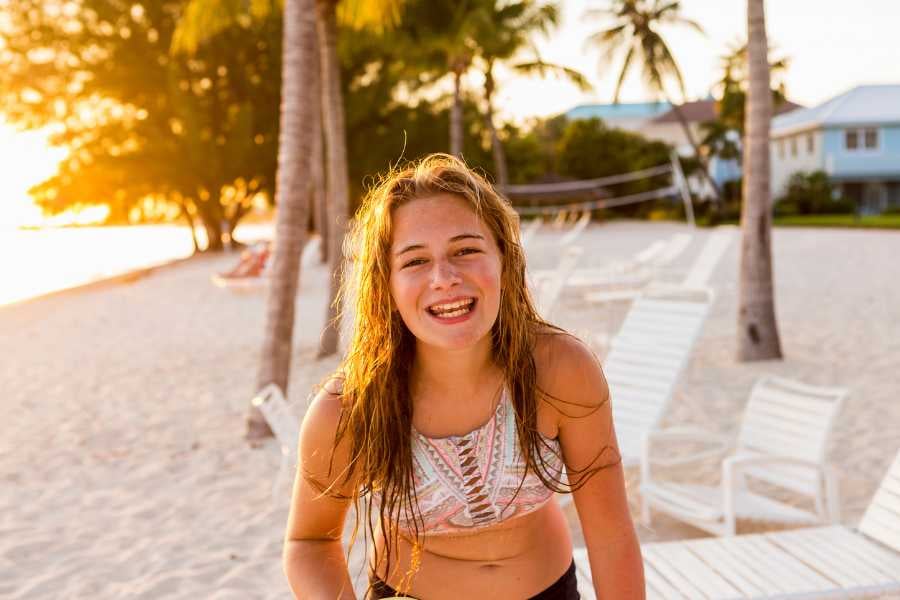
[
  {"x": 811, "y": 194},
  {"x": 588, "y": 149}
]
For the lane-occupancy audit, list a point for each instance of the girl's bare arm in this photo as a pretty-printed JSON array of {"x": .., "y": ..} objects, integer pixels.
[{"x": 313, "y": 557}]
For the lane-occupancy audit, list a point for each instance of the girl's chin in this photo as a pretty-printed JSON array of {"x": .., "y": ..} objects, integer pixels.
[{"x": 460, "y": 340}]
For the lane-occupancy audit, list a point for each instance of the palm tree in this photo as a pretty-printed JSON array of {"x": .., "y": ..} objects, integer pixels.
[
  {"x": 458, "y": 47},
  {"x": 298, "y": 105},
  {"x": 757, "y": 328},
  {"x": 636, "y": 32},
  {"x": 203, "y": 19},
  {"x": 376, "y": 14},
  {"x": 441, "y": 37},
  {"x": 505, "y": 32},
  {"x": 724, "y": 136},
  {"x": 336, "y": 170},
  {"x": 734, "y": 84}
]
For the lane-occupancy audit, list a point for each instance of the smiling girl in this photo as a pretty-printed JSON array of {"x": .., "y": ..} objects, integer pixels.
[{"x": 459, "y": 413}]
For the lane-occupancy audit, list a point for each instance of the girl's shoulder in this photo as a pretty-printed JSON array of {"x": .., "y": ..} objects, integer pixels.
[
  {"x": 324, "y": 456},
  {"x": 556, "y": 349},
  {"x": 326, "y": 404},
  {"x": 568, "y": 371}
]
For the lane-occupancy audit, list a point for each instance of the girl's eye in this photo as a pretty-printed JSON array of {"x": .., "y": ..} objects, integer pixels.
[
  {"x": 469, "y": 251},
  {"x": 414, "y": 262}
]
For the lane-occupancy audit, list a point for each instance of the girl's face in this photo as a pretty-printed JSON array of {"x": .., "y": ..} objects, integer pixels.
[{"x": 445, "y": 272}]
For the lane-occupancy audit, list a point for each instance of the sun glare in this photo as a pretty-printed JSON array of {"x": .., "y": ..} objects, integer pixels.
[{"x": 27, "y": 160}]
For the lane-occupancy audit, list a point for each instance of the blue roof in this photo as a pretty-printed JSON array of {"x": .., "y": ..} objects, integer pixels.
[
  {"x": 863, "y": 105},
  {"x": 611, "y": 112}
]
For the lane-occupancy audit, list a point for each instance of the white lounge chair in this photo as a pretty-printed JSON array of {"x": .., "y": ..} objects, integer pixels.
[
  {"x": 612, "y": 269},
  {"x": 697, "y": 276},
  {"x": 817, "y": 562},
  {"x": 646, "y": 359},
  {"x": 548, "y": 291},
  {"x": 577, "y": 229},
  {"x": 643, "y": 268},
  {"x": 713, "y": 250},
  {"x": 529, "y": 231},
  {"x": 645, "y": 363},
  {"x": 284, "y": 425},
  {"x": 782, "y": 441}
]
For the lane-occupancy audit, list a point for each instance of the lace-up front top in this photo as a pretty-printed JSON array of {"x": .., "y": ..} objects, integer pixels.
[{"x": 475, "y": 480}]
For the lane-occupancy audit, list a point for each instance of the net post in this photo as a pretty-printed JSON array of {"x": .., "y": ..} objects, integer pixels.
[{"x": 681, "y": 183}]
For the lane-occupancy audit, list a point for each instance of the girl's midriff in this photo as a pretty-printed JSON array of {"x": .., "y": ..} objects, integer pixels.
[{"x": 513, "y": 560}]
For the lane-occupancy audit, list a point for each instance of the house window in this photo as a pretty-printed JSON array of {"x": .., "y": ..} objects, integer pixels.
[
  {"x": 810, "y": 143},
  {"x": 794, "y": 145},
  {"x": 871, "y": 138},
  {"x": 861, "y": 139}
]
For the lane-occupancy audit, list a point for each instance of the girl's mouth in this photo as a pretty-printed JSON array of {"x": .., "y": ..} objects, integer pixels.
[{"x": 452, "y": 311}]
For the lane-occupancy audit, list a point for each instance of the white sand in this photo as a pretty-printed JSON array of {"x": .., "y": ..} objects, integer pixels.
[{"x": 123, "y": 472}]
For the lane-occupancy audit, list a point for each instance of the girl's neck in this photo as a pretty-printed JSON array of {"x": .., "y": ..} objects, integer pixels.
[{"x": 454, "y": 372}]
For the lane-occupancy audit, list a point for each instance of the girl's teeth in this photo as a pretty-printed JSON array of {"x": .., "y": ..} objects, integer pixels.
[
  {"x": 455, "y": 313},
  {"x": 452, "y": 309}
]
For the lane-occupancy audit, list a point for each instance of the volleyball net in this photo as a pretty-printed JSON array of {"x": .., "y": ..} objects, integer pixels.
[{"x": 677, "y": 189}]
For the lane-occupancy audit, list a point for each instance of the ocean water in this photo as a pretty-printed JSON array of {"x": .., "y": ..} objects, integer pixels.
[{"x": 34, "y": 262}]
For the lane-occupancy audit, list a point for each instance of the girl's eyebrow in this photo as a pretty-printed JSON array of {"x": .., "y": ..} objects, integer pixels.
[{"x": 455, "y": 238}]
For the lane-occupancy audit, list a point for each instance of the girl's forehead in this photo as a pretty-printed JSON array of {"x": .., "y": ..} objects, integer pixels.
[{"x": 436, "y": 215}]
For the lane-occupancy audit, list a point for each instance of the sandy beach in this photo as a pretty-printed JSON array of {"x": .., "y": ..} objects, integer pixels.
[{"x": 125, "y": 475}]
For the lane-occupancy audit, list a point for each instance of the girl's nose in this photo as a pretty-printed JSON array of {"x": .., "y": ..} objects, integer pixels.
[{"x": 443, "y": 275}]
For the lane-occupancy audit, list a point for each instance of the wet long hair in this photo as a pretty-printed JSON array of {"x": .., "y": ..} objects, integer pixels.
[{"x": 376, "y": 418}]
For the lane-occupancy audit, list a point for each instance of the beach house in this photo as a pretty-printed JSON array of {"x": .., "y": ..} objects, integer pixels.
[
  {"x": 854, "y": 138},
  {"x": 659, "y": 121}
]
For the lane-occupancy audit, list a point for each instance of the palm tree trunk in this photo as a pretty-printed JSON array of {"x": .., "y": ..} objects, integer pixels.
[
  {"x": 757, "y": 328},
  {"x": 292, "y": 193},
  {"x": 213, "y": 229},
  {"x": 337, "y": 173},
  {"x": 210, "y": 213},
  {"x": 704, "y": 166},
  {"x": 184, "y": 212},
  {"x": 319, "y": 198},
  {"x": 500, "y": 168},
  {"x": 456, "y": 116}
]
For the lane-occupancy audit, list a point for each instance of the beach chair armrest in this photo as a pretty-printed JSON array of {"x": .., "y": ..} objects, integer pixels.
[
  {"x": 736, "y": 464},
  {"x": 712, "y": 446},
  {"x": 733, "y": 482},
  {"x": 734, "y": 468}
]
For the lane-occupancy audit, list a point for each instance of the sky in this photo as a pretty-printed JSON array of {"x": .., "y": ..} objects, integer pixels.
[
  {"x": 832, "y": 46},
  {"x": 25, "y": 160}
]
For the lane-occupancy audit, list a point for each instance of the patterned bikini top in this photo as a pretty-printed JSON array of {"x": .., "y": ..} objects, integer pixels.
[{"x": 475, "y": 480}]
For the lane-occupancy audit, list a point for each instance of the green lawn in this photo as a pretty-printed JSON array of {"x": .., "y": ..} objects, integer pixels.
[{"x": 875, "y": 221}]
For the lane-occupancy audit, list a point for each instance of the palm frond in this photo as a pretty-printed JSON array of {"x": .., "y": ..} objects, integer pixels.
[
  {"x": 635, "y": 32},
  {"x": 601, "y": 39},
  {"x": 626, "y": 66},
  {"x": 202, "y": 20},
  {"x": 544, "y": 68},
  {"x": 378, "y": 15},
  {"x": 689, "y": 22},
  {"x": 660, "y": 12},
  {"x": 600, "y": 13},
  {"x": 663, "y": 63}
]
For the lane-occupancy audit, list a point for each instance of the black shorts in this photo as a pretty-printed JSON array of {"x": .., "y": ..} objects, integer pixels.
[{"x": 564, "y": 588}]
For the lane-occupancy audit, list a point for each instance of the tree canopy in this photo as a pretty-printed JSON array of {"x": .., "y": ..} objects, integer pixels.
[
  {"x": 155, "y": 133},
  {"x": 198, "y": 133}
]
